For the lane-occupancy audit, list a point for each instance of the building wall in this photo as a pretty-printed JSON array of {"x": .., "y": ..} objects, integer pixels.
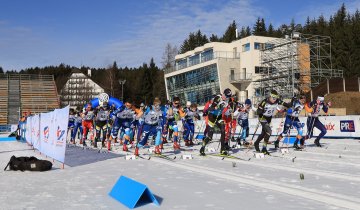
[
  {"x": 239, "y": 55},
  {"x": 79, "y": 90}
]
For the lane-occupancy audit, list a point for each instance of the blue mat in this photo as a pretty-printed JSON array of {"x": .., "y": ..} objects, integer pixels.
[{"x": 7, "y": 139}]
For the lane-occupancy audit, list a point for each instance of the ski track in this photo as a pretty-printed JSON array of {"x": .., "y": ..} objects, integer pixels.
[{"x": 312, "y": 194}]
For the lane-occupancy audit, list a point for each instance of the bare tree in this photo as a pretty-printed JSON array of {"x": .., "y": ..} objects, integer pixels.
[{"x": 168, "y": 57}]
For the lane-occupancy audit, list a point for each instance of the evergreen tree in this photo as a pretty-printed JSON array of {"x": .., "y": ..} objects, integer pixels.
[
  {"x": 1, "y": 70},
  {"x": 259, "y": 28},
  {"x": 270, "y": 31},
  {"x": 214, "y": 38},
  {"x": 230, "y": 33}
]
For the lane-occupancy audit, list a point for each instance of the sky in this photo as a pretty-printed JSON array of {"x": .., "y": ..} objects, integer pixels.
[{"x": 96, "y": 33}]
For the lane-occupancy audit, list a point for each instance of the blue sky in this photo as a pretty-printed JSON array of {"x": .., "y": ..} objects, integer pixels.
[{"x": 96, "y": 33}]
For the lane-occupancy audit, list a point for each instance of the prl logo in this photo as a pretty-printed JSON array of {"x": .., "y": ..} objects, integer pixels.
[{"x": 347, "y": 126}]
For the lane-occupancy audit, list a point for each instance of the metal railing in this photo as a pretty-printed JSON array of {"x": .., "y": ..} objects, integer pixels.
[
  {"x": 203, "y": 59},
  {"x": 240, "y": 77}
]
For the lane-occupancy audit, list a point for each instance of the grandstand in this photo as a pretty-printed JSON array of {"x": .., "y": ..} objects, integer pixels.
[{"x": 21, "y": 93}]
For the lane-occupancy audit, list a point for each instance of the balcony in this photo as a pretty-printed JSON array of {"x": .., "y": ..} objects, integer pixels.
[
  {"x": 202, "y": 58},
  {"x": 240, "y": 78}
]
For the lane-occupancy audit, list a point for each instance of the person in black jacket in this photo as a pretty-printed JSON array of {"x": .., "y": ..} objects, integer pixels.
[{"x": 266, "y": 110}]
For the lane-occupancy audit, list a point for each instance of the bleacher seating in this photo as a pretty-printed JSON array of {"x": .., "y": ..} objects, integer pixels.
[
  {"x": 38, "y": 95},
  {"x": 3, "y": 100}
]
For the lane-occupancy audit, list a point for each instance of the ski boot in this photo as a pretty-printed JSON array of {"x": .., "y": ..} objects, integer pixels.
[
  {"x": 202, "y": 151},
  {"x": 176, "y": 145},
  {"x": 296, "y": 147},
  {"x": 136, "y": 153},
  {"x": 264, "y": 150},
  {"x": 187, "y": 143},
  {"x": 276, "y": 144},
  {"x": 125, "y": 149},
  {"x": 157, "y": 150},
  {"x": 317, "y": 142},
  {"x": 224, "y": 152}
]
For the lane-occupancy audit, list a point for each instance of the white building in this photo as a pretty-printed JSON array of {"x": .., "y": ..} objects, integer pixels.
[
  {"x": 209, "y": 69},
  {"x": 79, "y": 90}
]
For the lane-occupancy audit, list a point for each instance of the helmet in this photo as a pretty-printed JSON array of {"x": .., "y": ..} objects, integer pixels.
[
  {"x": 248, "y": 102},
  {"x": 227, "y": 93}
]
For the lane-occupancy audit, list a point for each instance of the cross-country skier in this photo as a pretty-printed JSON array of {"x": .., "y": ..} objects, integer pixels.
[
  {"x": 292, "y": 121},
  {"x": 215, "y": 112},
  {"x": 266, "y": 110},
  {"x": 153, "y": 119},
  {"x": 242, "y": 116},
  {"x": 314, "y": 108},
  {"x": 191, "y": 114}
]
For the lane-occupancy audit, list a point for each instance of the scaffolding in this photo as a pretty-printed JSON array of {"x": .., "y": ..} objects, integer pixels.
[{"x": 295, "y": 64}]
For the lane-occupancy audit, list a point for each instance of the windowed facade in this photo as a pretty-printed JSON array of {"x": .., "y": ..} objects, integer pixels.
[{"x": 196, "y": 86}]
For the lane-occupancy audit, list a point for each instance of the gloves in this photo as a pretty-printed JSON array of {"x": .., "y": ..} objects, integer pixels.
[
  {"x": 329, "y": 104},
  {"x": 289, "y": 111}
]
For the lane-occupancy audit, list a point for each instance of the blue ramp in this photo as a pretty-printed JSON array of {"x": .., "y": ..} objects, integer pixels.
[{"x": 132, "y": 193}]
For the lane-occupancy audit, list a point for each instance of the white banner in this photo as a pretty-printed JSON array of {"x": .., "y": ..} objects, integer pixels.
[
  {"x": 28, "y": 130},
  {"x": 35, "y": 131},
  {"x": 59, "y": 133},
  {"x": 45, "y": 130},
  {"x": 336, "y": 126}
]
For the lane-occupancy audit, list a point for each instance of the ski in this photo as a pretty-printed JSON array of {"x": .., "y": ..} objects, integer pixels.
[
  {"x": 162, "y": 156},
  {"x": 230, "y": 156},
  {"x": 142, "y": 157}
]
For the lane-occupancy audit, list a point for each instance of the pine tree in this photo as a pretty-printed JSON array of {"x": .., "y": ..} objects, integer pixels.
[
  {"x": 271, "y": 31},
  {"x": 230, "y": 33},
  {"x": 259, "y": 28},
  {"x": 214, "y": 38}
]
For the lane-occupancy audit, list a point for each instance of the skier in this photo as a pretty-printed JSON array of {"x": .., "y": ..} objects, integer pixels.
[
  {"x": 152, "y": 126},
  {"x": 292, "y": 120},
  {"x": 242, "y": 116},
  {"x": 191, "y": 114},
  {"x": 174, "y": 113},
  {"x": 215, "y": 112},
  {"x": 77, "y": 127},
  {"x": 87, "y": 123},
  {"x": 314, "y": 108},
  {"x": 101, "y": 123},
  {"x": 266, "y": 111},
  {"x": 125, "y": 115}
]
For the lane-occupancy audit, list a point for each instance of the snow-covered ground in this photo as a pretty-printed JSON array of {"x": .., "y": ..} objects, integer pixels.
[{"x": 331, "y": 179}]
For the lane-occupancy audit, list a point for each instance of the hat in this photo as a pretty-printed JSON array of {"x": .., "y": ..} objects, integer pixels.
[
  {"x": 227, "y": 93},
  {"x": 248, "y": 101},
  {"x": 142, "y": 104},
  {"x": 274, "y": 94},
  {"x": 320, "y": 98},
  {"x": 188, "y": 103}
]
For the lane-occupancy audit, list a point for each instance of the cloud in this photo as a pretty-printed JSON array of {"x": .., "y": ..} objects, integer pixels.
[{"x": 172, "y": 23}]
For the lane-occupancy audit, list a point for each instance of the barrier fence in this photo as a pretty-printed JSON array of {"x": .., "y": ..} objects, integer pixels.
[{"x": 47, "y": 132}]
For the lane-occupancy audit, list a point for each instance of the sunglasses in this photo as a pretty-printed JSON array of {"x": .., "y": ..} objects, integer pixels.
[{"x": 176, "y": 103}]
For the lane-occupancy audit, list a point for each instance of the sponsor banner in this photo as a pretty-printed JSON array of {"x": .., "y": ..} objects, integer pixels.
[
  {"x": 48, "y": 132},
  {"x": 336, "y": 126},
  {"x": 53, "y": 133},
  {"x": 35, "y": 131},
  {"x": 27, "y": 131}
]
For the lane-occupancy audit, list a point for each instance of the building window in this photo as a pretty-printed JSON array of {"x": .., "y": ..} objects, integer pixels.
[
  {"x": 207, "y": 55},
  {"x": 268, "y": 46},
  {"x": 196, "y": 86},
  {"x": 258, "y": 46},
  {"x": 193, "y": 60},
  {"x": 246, "y": 47}
]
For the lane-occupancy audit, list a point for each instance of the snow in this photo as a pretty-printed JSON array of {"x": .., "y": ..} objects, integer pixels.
[{"x": 331, "y": 179}]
